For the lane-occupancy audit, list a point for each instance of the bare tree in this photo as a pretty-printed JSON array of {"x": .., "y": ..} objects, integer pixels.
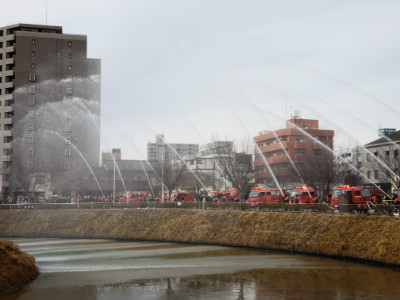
[
  {"x": 171, "y": 175},
  {"x": 237, "y": 166},
  {"x": 320, "y": 170}
]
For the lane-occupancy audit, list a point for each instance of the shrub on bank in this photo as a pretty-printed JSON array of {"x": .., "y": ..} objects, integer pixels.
[{"x": 16, "y": 267}]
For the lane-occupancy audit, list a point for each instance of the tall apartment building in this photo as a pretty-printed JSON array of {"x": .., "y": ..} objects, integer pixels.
[
  {"x": 167, "y": 152},
  {"x": 293, "y": 143},
  {"x": 49, "y": 106}
]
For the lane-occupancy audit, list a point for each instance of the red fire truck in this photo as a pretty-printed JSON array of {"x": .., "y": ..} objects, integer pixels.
[
  {"x": 357, "y": 195},
  {"x": 215, "y": 195},
  {"x": 265, "y": 195},
  {"x": 229, "y": 193},
  {"x": 182, "y": 196},
  {"x": 132, "y": 196},
  {"x": 302, "y": 195}
]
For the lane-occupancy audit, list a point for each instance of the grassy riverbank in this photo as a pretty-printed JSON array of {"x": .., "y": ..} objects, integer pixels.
[
  {"x": 371, "y": 238},
  {"x": 16, "y": 267}
]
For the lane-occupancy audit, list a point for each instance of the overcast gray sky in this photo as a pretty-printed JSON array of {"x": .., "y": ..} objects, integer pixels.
[{"x": 191, "y": 69}]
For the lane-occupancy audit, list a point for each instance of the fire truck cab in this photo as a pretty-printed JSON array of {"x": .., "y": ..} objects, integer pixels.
[
  {"x": 304, "y": 194},
  {"x": 265, "y": 195},
  {"x": 185, "y": 197},
  {"x": 357, "y": 195}
]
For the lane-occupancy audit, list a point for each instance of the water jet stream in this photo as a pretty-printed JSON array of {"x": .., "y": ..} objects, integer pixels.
[
  {"x": 80, "y": 153},
  {"x": 364, "y": 148}
]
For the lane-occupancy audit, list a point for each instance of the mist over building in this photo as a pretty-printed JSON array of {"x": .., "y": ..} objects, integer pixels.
[{"x": 50, "y": 107}]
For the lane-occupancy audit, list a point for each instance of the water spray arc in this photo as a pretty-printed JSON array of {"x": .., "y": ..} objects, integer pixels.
[
  {"x": 258, "y": 150},
  {"x": 80, "y": 153},
  {"x": 182, "y": 160},
  {"x": 254, "y": 106},
  {"x": 364, "y": 148},
  {"x": 330, "y": 150}
]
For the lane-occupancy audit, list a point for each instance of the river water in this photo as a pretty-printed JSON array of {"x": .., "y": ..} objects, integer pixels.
[{"x": 108, "y": 269}]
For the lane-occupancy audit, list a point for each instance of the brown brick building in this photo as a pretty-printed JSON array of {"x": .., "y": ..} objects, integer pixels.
[
  {"x": 50, "y": 106},
  {"x": 299, "y": 147}
]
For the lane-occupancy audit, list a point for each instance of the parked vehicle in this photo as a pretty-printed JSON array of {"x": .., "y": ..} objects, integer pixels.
[
  {"x": 265, "y": 195},
  {"x": 357, "y": 195},
  {"x": 302, "y": 195}
]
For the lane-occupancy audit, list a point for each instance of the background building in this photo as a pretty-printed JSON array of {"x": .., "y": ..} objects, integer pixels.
[
  {"x": 50, "y": 107},
  {"x": 167, "y": 152},
  {"x": 291, "y": 143},
  {"x": 381, "y": 161}
]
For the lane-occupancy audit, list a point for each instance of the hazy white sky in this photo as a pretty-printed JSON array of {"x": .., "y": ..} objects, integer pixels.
[{"x": 191, "y": 69}]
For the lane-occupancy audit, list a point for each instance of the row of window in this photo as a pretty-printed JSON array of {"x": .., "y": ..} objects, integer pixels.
[
  {"x": 32, "y": 88},
  {"x": 31, "y": 127},
  {"x": 34, "y": 41},
  {"x": 31, "y": 140},
  {"x": 6, "y": 164},
  {"x": 67, "y": 153}
]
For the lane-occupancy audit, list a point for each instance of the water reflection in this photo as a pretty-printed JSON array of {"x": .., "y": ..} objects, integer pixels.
[{"x": 104, "y": 269}]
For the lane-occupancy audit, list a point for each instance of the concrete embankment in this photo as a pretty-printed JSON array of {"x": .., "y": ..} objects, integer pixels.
[
  {"x": 371, "y": 238},
  {"x": 16, "y": 267}
]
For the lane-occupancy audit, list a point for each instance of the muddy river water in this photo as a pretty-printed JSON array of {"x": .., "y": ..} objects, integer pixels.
[{"x": 107, "y": 269}]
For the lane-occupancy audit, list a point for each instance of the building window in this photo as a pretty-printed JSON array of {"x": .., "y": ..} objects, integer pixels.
[
  {"x": 33, "y": 53},
  {"x": 32, "y": 77},
  {"x": 31, "y": 139},
  {"x": 69, "y": 68},
  {"x": 67, "y": 165},
  {"x": 69, "y": 91},
  {"x": 32, "y": 101},
  {"x": 299, "y": 140},
  {"x": 32, "y": 65},
  {"x": 69, "y": 44},
  {"x": 69, "y": 78},
  {"x": 31, "y": 127},
  {"x": 69, "y": 55},
  {"x": 369, "y": 174},
  {"x": 67, "y": 153},
  {"x": 32, "y": 89},
  {"x": 368, "y": 158},
  {"x": 30, "y": 165},
  {"x": 31, "y": 114},
  {"x": 68, "y": 127},
  {"x": 395, "y": 153},
  {"x": 387, "y": 154},
  {"x": 67, "y": 140},
  {"x": 299, "y": 153},
  {"x": 33, "y": 42},
  {"x": 30, "y": 152},
  {"x": 376, "y": 174}
]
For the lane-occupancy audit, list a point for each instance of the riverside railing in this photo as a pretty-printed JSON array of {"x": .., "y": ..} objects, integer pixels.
[{"x": 266, "y": 207}]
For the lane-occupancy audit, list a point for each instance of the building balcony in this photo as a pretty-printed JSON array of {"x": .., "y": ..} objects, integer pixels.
[
  {"x": 9, "y": 37},
  {"x": 277, "y": 159},
  {"x": 9, "y": 61},
  {"x": 9, "y": 49},
  {"x": 6, "y": 109},
  {"x": 274, "y": 147},
  {"x": 8, "y": 85},
  {"x": 8, "y": 73}
]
